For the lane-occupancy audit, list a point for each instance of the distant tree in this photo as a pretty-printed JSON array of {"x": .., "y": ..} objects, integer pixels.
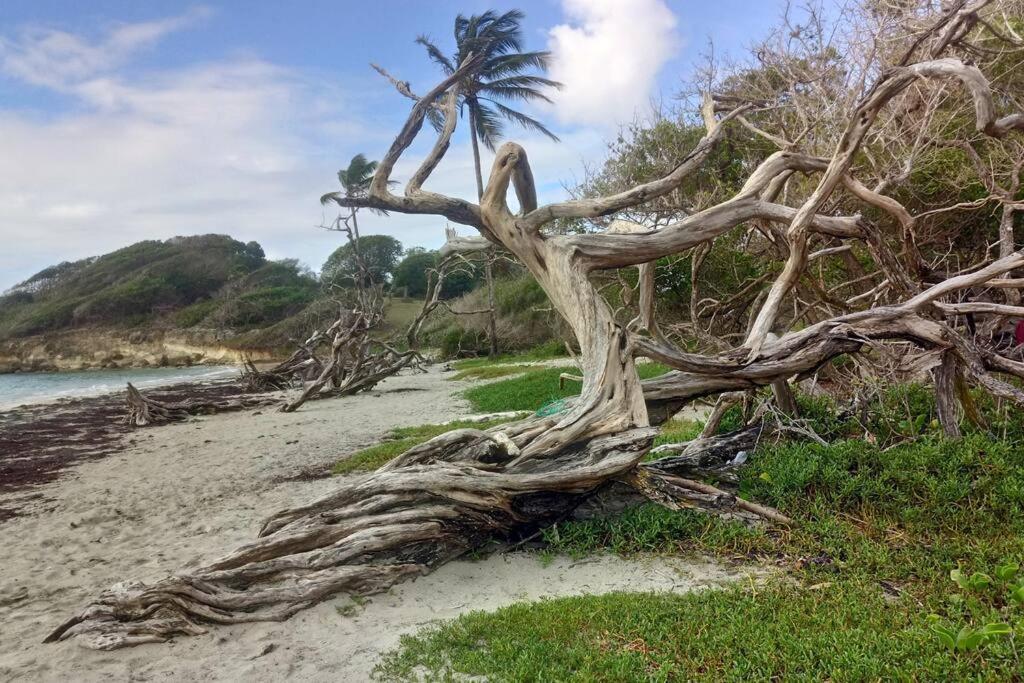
[
  {"x": 254, "y": 250},
  {"x": 411, "y": 271},
  {"x": 380, "y": 254},
  {"x": 461, "y": 281}
]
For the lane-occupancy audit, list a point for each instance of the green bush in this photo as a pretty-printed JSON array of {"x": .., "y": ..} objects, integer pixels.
[
  {"x": 47, "y": 316},
  {"x": 457, "y": 343},
  {"x": 139, "y": 296},
  {"x": 139, "y": 282},
  {"x": 196, "y": 313},
  {"x": 268, "y": 304}
]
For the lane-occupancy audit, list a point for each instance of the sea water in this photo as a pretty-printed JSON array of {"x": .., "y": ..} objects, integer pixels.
[{"x": 40, "y": 387}]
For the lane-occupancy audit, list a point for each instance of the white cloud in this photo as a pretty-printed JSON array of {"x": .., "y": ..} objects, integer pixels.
[
  {"x": 52, "y": 58},
  {"x": 228, "y": 147},
  {"x": 608, "y": 57}
]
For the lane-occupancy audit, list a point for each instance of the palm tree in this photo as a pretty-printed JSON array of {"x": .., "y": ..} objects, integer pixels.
[
  {"x": 500, "y": 79},
  {"x": 355, "y": 181}
]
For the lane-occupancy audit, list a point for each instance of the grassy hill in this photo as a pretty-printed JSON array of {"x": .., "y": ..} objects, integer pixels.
[
  {"x": 206, "y": 280},
  {"x": 215, "y": 287}
]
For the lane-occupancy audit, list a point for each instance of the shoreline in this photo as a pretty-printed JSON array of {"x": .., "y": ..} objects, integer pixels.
[
  {"x": 40, "y": 442},
  {"x": 154, "y": 499},
  {"x": 216, "y": 372}
]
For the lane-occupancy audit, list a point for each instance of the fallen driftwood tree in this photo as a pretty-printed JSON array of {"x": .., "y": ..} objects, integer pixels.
[
  {"x": 301, "y": 366},
  {"x": 350, "y": 359},
  {"x": 143, "y": 411},
  {"x": 464, "y": 488},
  {"x": 357, "y": 362}
]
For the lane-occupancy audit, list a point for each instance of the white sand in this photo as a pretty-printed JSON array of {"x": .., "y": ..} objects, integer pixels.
[{"x": 184, "y": 494}]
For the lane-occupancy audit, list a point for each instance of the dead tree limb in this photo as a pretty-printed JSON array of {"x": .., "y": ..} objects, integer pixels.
[{"x": 143, "y": 411}]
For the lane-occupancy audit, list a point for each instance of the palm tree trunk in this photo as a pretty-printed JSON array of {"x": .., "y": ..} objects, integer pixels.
[
  {"x": 492, "y": 327},
  {"x": 476, "y": 154},
  {"x": 355, "y": 228}
]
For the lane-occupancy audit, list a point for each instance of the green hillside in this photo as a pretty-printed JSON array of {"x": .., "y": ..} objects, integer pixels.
[{"x": 204, "y": 280}]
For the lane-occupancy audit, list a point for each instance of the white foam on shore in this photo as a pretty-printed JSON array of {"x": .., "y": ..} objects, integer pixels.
[{"x": 22, "y": 389}]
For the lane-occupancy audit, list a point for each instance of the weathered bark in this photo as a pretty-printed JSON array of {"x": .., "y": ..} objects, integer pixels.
[
  {"x": 492, "y": 324},
  {"x": 946, "y": 404},
  {"x": 143, "y": 411},
  {"x": 354, "y": 364}
]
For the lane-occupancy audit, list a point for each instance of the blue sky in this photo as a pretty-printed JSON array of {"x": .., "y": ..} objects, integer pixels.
[{"x": 128, "y": 120}]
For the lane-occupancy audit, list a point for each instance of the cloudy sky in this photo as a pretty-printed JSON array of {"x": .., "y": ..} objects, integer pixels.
[{"x": 123, "y": 120}]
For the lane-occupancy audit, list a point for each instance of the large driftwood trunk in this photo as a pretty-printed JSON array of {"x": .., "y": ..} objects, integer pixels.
[{"x": 437, "y": 502}]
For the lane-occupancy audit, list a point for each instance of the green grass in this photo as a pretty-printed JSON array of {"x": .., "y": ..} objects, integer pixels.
[
  {"x": 655, "y": 529},
  {"x": 843, "y": 632},
  {"x": 535, "y": 389},
  {"x": 543, "y": 352},
  {"x": 877, "y": 530},
  {"x": 488, "y": 372},
  {"x": 399, "y": 441},
  {"x": 400, "y": 312},
  {"x": 678, "y": 431}
]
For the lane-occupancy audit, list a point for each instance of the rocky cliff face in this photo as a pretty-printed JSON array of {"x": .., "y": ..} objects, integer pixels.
[{"x": 97, "y": 348}]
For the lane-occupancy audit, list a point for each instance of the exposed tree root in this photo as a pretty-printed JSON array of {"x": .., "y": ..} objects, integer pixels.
[{"x": 436, "y": 502}]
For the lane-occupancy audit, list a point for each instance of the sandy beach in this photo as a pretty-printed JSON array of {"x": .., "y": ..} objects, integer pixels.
[{"x": 177, "y": 495}]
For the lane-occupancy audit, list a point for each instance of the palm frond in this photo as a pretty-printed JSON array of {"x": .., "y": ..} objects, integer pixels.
[
  {"x": 512, "y": 94},
  {"x": 356, "y": 178},
  {"x": 523, "y": 120},
  {"x": 502, "y": 65},
  {"x": 434, "y": 52},
  {"x": 524, "y": 88},
  {"x": 329, "y": 197},
  {"x": 436, "y": 119},
  {"x": 489, "y": 128}
]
